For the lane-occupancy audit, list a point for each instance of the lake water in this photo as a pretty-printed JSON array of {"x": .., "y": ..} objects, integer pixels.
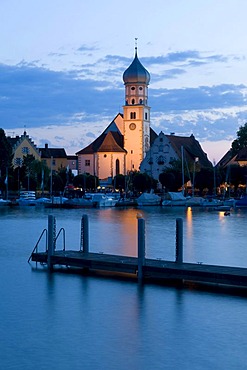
[{"x": 69, "y": 321}]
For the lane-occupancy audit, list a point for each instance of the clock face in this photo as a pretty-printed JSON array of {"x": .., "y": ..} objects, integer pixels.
[{"x": 132, "y": 126}]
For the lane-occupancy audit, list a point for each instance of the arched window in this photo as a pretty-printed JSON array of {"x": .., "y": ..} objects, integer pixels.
[
  {"x": 140, "y": 101},
  {"x": 161, "y": 160},
  {"x": 117, "y": 167},
  {"x": 132, "y": 115},
  {"x": 133, "y": 101}
]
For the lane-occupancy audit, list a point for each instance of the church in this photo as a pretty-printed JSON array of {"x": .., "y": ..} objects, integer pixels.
[
  {"x": 129, "y": 143},
  {"x": 125, "y": 142}
]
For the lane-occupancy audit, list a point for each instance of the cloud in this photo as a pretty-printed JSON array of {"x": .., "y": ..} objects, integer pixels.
[{"x": 71, "y": 108}]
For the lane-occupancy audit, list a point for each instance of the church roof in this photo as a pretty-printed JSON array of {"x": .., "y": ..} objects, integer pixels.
[
  {"x": 111, "y": 141},
  {"x": 136, "y": 72},
  {"x": 192, "y": 149},
  {"x": 110, "y": 144}
]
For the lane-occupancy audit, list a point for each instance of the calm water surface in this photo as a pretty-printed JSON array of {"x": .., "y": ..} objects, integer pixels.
[{"x": 66, "y": 321}]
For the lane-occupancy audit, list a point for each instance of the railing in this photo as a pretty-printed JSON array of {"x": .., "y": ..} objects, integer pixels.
[
  {"x": 61, "y": 230},
  {"x": 35, "y": 249}
]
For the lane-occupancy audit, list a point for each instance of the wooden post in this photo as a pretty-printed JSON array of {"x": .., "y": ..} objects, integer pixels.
[
  {"x": 179, "y": 240},
  {"x": 141, "y": 248},
  {"x": 84, "y": 234},
  {"x": 51, "y": 239}
]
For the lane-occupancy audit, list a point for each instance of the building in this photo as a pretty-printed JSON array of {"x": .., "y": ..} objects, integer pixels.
[
  {"x": 55, "y": 158},
  {"x": 124, "y": 143},
  {"x": 23, "y": 146},
  {"x": 166, "y": 148}
]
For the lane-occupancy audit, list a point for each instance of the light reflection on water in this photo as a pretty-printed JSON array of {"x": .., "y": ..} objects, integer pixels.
[{"x": 66, "y": 321}]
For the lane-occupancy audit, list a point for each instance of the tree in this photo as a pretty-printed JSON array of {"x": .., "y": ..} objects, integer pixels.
[
  {"x": 143, "y": 182},
  {"x": 241, "y": 140},
  {"x": 5, "y": 159},
  {"x": 86, "y": 181},
  {"x": 171, "y": 177}
]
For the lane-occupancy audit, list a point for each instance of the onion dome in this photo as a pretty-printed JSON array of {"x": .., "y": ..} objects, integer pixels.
[{"x": 136, "y": 73}]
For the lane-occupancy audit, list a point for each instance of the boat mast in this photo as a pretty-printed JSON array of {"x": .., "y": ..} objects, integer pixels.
[{"x": 182, "y": 156}]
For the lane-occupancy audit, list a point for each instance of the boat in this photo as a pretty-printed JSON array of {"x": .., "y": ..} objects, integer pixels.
[
  {"x": 148, "y": 199},
  {"x": 211, "y": 202},
  {"x": 126, "y": 202},
  {"x": 231, "y": 202},
  {"x": 56, "y": 202},
  {"x": 102, "y": 200},
  {"x": 242, "y": 202},
  {"x": 4, "y": 203},
  {"x": 194, "y": 201},
  {"x": 174, "y": 199},
  {"x": 78, "y": 203},
  {"x": 26, "y": 198},
  {"x": 43, "y": 201}
]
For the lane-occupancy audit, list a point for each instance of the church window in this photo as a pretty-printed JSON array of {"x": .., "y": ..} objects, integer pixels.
[
  {"x": 133, "y": 101},
  {"x": 131, "y": 152},
  {"x": 87, "y": 162},
  {"x": 133, "y": 88},
  {"x": 105, "y": 155},
  {"x": 117, "y": 167},
  {"x": 161, "y": 139},
  {"x": 132, "y": 115},
  {"x": 25, "y": 150},
  {"x": 146, "y": 116},
  {"x": 140, "y": 101},
  {"x": 140, "y": 88},
  {"x": 161, "y": 148}
]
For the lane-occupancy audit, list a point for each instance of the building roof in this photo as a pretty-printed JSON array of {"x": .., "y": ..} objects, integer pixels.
[
  {"x": 108, "y": 141},
  {"x": 16, "y": 141},
  {"x": 242, "y": 155},
  {"x": 192, "y": 149},
  {"x": 47, "y": 152},
  {"x": 136, "y": 73}
]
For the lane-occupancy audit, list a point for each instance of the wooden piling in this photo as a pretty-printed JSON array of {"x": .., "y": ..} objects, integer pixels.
[
  {"x": 84, "y": 234},
  {"x": 51, "y": 240},
  {"x": 141, "y": 248},
  {"x": 179, "y": 240}
]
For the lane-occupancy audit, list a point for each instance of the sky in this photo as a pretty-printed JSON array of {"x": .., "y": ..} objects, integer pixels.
[{"x": 61, "y": 67}]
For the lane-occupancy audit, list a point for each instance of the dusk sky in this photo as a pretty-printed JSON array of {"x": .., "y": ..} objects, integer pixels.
[{"x": 61, "y": 67}]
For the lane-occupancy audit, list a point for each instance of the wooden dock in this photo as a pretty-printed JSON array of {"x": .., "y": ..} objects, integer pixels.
[
  {"x": 141, "y": 268},
  {"x": 151, "y": 270}
]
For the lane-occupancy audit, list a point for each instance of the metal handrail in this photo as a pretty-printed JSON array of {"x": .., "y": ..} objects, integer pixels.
[
  {"x": 62, "y": 229},
  {"x": 36, "y": 246}
]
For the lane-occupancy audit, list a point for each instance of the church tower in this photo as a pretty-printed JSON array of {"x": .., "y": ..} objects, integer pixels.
[{"x": 136, "y": 114}]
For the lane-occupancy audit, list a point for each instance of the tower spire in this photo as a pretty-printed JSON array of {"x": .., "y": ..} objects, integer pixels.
[{"x": 136, "y": 38}]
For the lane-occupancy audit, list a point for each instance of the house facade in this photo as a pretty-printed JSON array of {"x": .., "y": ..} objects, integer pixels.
[
  {"x": 54, "y": 158},
  {"x": 22, "y": 146},
  {"x": 166, "y": 148}
]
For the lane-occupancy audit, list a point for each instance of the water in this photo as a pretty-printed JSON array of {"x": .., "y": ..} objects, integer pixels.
[{"x": 67, "y": 321}]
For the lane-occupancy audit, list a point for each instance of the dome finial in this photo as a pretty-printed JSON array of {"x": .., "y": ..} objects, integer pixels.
[{"x": 136, "y": 46}]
